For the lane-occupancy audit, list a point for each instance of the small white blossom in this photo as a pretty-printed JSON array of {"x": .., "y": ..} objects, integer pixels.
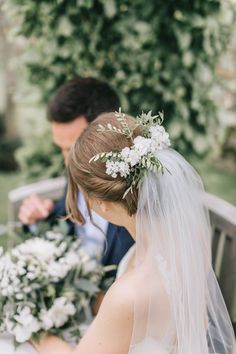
[
  {"x": 27, "y": 289},
  {"x": 133, "y": 158},
  {"x": 90, "y": 266},
  {"x": 27, "y": 324},
  {"x": 30, "y": 275},
  {"x": 125, "y": 152},
  {"x": 72, "y": 259},
  {"x": 9, "y": 325},
  {"x": 57, "y": 270},
  {"x": 19, "y": 296},
  {"x": 25, "y": 317},
  {"x": 24, "y": 333},
  {"x": 4, "y": 292},
  {"x": 37, "y": 247},
  {"x": 113, "y": 168},
  {"x": 130, "y": 156},
  {"x": 142, "y": 145},
  {"x": 21, "y": 271},
  {"x": 160, "y": 138},
  {"x": 58, "y": 314},
  {"x": 46, "y": 319},
  {"x": 123, "y": 169}
]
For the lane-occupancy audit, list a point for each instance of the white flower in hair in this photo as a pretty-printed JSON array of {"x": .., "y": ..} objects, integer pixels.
[
  {"x": 113, "y": 168},
  {"x": 159, "y": 138},
  {"x": 131, "y": 156},
  {"x": 124, "y": 169},
  {"x": 133, "y": 162},
  {"x": 142, "y": 145}
]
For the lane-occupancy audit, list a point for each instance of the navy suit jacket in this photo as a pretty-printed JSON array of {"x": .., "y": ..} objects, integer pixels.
[{"x": 118, "y": 238}]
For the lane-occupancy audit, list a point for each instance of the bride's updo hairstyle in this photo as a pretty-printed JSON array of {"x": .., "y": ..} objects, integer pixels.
[{"x": 91, "y": 178}]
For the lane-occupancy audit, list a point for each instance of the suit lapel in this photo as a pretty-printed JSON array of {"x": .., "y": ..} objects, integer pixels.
[{"x": 111, "y": 237}]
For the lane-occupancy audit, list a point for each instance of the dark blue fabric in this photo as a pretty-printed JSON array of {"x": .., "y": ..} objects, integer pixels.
[{"x": 118, "y": 243}]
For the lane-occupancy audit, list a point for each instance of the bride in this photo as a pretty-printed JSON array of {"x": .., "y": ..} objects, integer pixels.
[{"x": 166, "y": 299}]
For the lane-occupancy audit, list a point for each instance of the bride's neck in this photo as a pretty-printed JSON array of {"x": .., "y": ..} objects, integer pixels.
[{"x": 130, "y": 225}]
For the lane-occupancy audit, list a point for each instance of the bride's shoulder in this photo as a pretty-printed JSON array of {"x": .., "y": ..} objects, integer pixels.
[
  {"x": 116, "y": 312},
  {"x": 121, "y": 294},
  {"x": 118, "y": 303},
  {"x": 114, "y": 318}
]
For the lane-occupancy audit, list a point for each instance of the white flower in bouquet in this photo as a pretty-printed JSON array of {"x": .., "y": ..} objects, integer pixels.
[
  {"x": 45, "y": 284},
  {"x": 26, "y": 325},
  {"x": 90, "y": 266},
  {"x": 38, "y": 248},
  {"x": 71, "y": 259},
  {"x": 58, "y": 314},
  {"x": 57, "y": 270}
]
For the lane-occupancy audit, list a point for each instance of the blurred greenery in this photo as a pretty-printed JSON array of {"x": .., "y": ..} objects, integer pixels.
[
  {"x": 157, "y": 54},
  {"x": 217, "y": 180},
  {"x": 7, "y": 158},
  {"x": 8, "y": 181},
  {"x": 40, "y": 158}
]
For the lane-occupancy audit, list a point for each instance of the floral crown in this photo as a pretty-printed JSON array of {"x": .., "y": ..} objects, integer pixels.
[{"x": 132, "y": 162}]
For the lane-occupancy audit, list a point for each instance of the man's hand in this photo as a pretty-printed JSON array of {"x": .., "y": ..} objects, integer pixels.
[{"x": 34, "y": 209}]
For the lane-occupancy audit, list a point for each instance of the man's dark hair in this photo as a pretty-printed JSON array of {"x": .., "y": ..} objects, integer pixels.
[{"x": 86, "y": 97}]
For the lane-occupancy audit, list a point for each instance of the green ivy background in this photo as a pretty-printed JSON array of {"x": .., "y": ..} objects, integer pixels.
[{"x": 158, "y": 55}]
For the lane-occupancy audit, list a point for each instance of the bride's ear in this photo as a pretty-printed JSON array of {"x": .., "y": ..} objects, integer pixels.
[
  {"x": 99, "y": 205},
  {"x": 104, "y": 205}
]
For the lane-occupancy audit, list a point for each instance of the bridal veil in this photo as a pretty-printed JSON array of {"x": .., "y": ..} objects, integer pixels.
[{"x": 185, "y": 312}]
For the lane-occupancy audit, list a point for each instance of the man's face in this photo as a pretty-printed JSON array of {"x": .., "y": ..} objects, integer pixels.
[{"x": 65, "y": 134}]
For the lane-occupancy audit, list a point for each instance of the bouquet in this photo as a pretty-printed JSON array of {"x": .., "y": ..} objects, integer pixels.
[{"x": 46, "y": 285}]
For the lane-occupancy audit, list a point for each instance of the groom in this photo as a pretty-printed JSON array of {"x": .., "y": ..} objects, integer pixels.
[{"x": 76, "y": 104}]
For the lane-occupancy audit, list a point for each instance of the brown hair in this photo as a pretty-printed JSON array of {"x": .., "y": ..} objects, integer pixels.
[{"x": 91, "y": 178}]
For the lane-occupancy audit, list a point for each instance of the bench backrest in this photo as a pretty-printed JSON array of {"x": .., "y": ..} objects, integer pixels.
[{"x": 223, "y": 221}]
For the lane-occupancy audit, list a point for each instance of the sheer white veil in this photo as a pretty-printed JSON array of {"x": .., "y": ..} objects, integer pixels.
[{"x": 178, "y": 308}]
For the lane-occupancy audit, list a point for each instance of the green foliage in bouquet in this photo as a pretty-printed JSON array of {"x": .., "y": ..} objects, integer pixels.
[
  {"x": 47, "y": 282},
  {"x": 157, "y": 54}
]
